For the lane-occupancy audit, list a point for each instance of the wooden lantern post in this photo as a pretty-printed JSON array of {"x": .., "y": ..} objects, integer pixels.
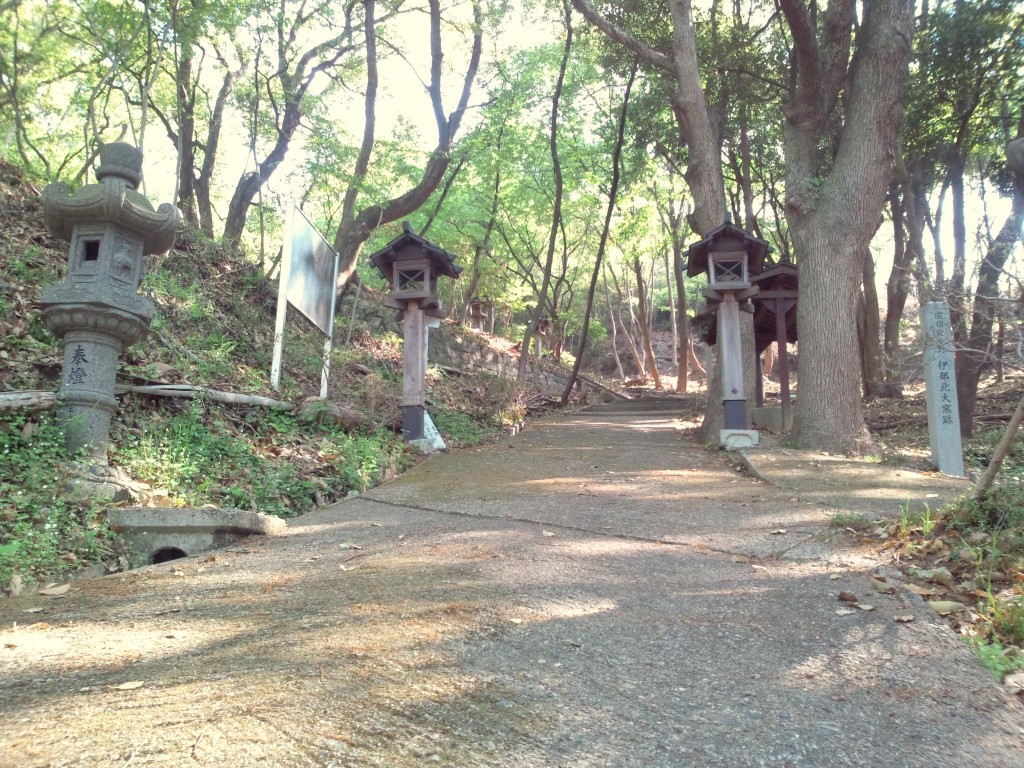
[
  {"x": 728, "y": 256},
  {"x": 775, "y": 320},
  {"x": 412, "y": 265}
]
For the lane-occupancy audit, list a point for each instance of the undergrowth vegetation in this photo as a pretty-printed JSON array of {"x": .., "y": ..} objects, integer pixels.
[
  {"x": 212, "y": 330},
  {"x": 44, "y": 530},
  {"x": 967, "y": 560}
]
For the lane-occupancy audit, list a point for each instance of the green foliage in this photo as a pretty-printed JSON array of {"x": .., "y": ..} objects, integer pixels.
[
  {"x": 979, "y": 450},
  {"x": 1001, "y": 510},
  {"x": 200, "y": 456},
  {"x": 923, "y": 522},
  {"x": 1004, "y": 617},
  {"x": 999, "y": 660},
  {"x": 44, "y": 531},
  {"x": 459, "y": 430}
]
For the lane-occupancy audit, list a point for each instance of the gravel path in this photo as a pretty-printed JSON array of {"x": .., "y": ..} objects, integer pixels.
[{"x": 597, "y": 591}]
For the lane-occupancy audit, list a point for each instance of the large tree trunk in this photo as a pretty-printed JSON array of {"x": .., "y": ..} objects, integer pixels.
[
  {"x": 186, "y": 129},
  {"x": 832, "y": 219},
  {"x": 204, "y": 200},
  {"x": 296, "y": 72},
  {"x": 971, "y": 358}
]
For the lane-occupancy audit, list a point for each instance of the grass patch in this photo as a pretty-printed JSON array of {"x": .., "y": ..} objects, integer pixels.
[
  {"x": 45, "y": 532},
  {"x": 266, "y": 461},
  {"x": 852, "y": 520}
]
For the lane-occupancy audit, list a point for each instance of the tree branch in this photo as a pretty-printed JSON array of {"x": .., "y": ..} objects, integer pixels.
[{"x": 620, "y": 36}]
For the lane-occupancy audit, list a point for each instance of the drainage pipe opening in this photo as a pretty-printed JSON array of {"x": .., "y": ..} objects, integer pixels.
[{"x": 167, "y": 554}]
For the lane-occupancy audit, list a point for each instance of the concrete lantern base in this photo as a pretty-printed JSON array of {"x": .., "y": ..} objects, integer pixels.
[
  {"x": 735, "y": 439},
  {"x": 771, "y": 418}
]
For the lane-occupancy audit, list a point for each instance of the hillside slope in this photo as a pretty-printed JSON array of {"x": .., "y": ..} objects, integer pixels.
[{"x": 213, "y": 329}]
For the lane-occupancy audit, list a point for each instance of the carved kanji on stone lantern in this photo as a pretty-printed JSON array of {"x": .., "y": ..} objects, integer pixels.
[
  {"x": 412, "y": 265},
  {"x": 95, "y": 310}
]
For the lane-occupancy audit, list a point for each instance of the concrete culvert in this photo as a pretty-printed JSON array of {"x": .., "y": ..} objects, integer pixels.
[{"x": 168, "y": 553}]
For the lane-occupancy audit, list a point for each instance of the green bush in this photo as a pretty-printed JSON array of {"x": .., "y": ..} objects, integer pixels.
[
  {"x": 44, "y": 532},
  {"x": 270, "y": 461}
]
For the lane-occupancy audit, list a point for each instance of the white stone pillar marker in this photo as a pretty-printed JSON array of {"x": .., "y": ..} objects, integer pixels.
[{"x": 940, "y": 389}]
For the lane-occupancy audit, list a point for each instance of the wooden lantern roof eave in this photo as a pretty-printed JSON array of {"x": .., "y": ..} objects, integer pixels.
[
  {"x": 756, "y": 248},
  {"x": 777, "y": 281},
  {"x": 443, "y": 261}
]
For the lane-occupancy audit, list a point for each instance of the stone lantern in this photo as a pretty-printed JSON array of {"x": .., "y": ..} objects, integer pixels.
[
  {"x": 729, "y": 256},
  {"x": 412, "y": 265},
  {"x": 96, "y": 310}
]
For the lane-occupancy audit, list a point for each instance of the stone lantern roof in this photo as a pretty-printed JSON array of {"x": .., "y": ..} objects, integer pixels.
[{"x": 114, "y": 199}]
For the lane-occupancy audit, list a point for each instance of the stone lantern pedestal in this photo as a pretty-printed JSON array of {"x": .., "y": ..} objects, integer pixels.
[{"x": 96, "y": 310}]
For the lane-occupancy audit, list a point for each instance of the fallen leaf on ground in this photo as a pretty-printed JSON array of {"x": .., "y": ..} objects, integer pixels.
[
  {"x": 917, "y": 589},
  {"x": 350, "y": 545},
  {"x": 904, "y": 618},
  {"x": 938, "y": 575},
  {"x": 848, "y": 597},
  {"x": 128, "y": 686},
  {"x": 845, "y": 612},
  {"x": 881, "y": 585},
  {"x": 54, "y": 591},
  {"x": 33, "y": 610},
  {"x": 548, "y": 533},
  {"x": 945, "y": 607},
  {"x": 778, "y": 531},
  {"x": 865, "y": 607}
]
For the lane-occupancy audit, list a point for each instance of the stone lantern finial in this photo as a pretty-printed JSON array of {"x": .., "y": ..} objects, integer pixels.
[{"x": 122, "y": 161}]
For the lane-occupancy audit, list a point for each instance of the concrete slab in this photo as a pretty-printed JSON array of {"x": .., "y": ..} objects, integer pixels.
[{"x": 158, "y": 534}]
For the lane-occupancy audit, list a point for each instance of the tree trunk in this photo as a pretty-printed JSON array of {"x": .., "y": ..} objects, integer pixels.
[
  {"x": 556, "y": 208},
  {"x": 351, "y": 234},
  {"x": 971, "y": 358},
  {"x": 186, "y": 130},
  {"x": 868, "y": 324},
  {"x": 832, "y": 219},
  {"x": 203, "y": 182},
  {"x": 684, "y": 337},
  {"x": 613, "y": 323},
  {"x": 645, "y": 325}
]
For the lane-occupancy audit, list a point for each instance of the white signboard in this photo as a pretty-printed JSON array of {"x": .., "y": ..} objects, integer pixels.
[
  {"x": 309, "y": 274},
  {"x": 312, "y": 274}
]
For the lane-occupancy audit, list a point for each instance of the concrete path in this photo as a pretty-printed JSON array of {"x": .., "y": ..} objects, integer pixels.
[{"x": 597, "y": 591}]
